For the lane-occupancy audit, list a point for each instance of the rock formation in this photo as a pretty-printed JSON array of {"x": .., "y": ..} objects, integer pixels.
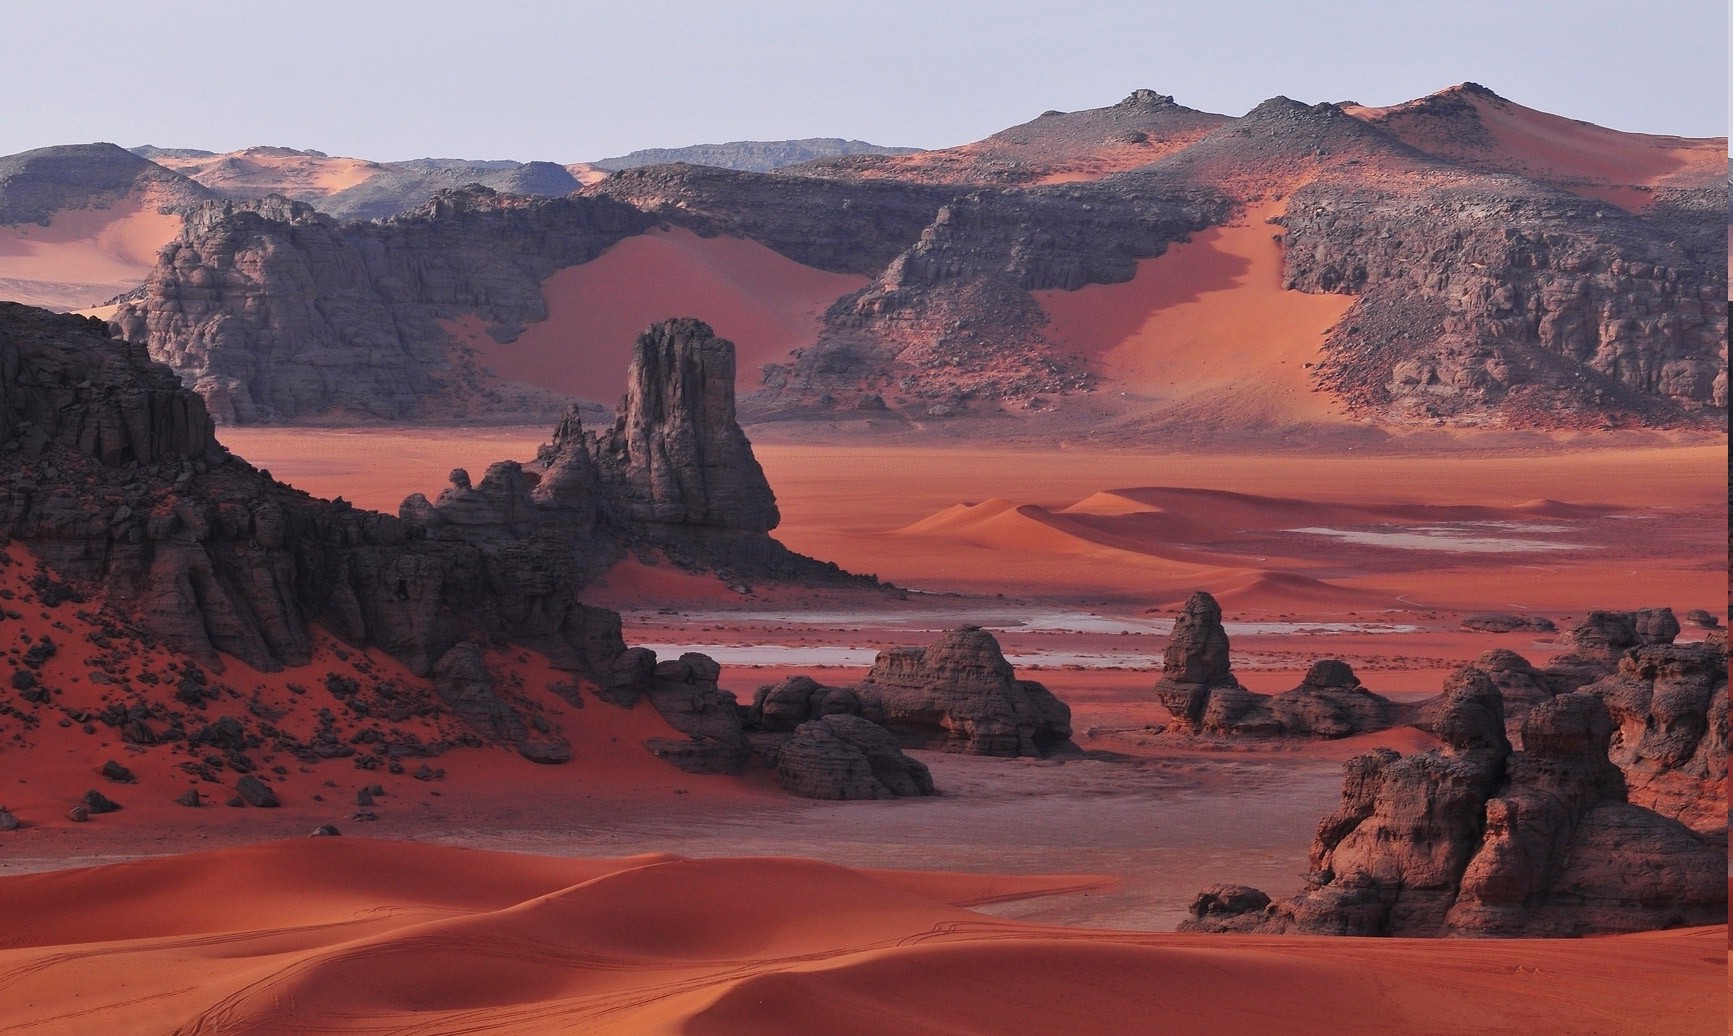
[
  {"x": 842, "y": 756},
  {"x": 958, "y": 695},
  {"x": 360, "y": 331},
  {"x": 1668, "y": 704},
  {"x": 1595, "y": 645},
  {"x": 1199, "y": 690},
  {"x": 684, "y": 691},
  {"x": 755, "y": 156},
  {"x": 1472, "y": 839},
  {"x": 112, "y": 475},
  {"x": 675, "y": 456},
  {"x": 1504, "y": 622}
]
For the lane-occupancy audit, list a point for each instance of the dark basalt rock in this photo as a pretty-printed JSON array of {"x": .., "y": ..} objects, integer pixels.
[{"x": 1504, "y": 622}]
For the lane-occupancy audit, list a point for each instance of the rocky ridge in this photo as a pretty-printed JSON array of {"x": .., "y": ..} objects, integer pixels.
[{"x": 34, "y": 185}]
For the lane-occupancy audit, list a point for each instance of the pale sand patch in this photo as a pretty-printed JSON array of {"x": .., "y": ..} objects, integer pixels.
[{"x": 84, "y": 257}]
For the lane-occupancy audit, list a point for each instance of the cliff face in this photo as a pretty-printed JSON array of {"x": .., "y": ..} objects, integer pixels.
[
  {"x": 1523, "y": 301},
  {"x": 272, "y": 311}
]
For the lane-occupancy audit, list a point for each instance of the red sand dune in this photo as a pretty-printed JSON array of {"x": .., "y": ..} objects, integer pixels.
[
  {"x": 764, "y": 302},
  {"x": 1610, "y": 165},
  {"x": 255, "y": 172},
  {"x": 1192, "y": 323},
  {"x": 347, "y": 935},
  {"x": 84, "y": 257}
]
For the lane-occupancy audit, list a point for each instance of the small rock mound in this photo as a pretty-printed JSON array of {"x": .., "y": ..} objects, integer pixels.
[
  {"x": 1199, "y": 690},
  {"x": 846, "y": 757},
  {"x": 961, "y": 695},
  {"x": 1504, "y": 622}
]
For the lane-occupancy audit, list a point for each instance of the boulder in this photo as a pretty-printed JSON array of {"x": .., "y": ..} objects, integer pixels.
[
  {"x": 255, "y": 792},
  {"x": 1200, "y": 692},
  {"x": 842, "y": 756},
  {"x": 684, "y": 691},
  {"x": 960, "y": 695}
]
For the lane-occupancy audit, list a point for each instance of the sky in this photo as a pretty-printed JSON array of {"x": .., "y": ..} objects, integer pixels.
[{"x": 576, "y": 80}]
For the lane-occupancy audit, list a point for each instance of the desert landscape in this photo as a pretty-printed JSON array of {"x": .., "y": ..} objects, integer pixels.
[{"x": 1142, "y": 570}]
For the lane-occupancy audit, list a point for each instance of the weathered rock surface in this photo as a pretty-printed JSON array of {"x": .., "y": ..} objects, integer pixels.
[
  {"x": 1472, "y": 839},
  {"x": 676, "y": 455},
  {"x": 842, "y": 756},
  {"x": 1595, "y": 645},
  {"x": 272, "y": 311},
  {"x": 684, "y": 691},
  {"x": 1505, "y": 622},
  {"x": 1199, "y": 690},
  {"x": 1668, "y": 704},
  {"x": 960, "y": 695}
]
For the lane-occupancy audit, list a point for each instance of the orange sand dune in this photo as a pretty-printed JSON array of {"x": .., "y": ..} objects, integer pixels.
[
  {"x": 1610, "y": 165},
  {"x": 764, "y": 302},
  {"x": 84, "y": 257},
  {"x": 1206, "y": 327},
  {"x": 350, "y": 936},
  {"x": 256, "y": 172}
]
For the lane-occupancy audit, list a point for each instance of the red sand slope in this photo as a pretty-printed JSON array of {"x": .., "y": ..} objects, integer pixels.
[
  {"x": 1208, "y": 325},
  {"x": 84, "y": 257},
  {"x": 349, "y": 936},
  {"x": 1593, "y": 161},
  {"x": 764, "y": 302}
]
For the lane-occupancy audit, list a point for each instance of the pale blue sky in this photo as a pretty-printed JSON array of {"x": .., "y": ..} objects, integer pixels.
[{"x": 569, "y": 81}]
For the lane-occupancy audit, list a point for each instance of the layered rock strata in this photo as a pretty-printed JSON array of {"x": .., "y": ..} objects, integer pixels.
[{"x": 1474, "y": 839}]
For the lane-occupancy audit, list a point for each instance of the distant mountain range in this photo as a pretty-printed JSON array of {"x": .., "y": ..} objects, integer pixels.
[{"x": 1132, "y": 272}]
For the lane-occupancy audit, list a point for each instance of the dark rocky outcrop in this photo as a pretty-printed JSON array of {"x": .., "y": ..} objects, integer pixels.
[
  {"x": 960, "y": 695},
  {"x": 756, "y": 156},
  {"x": 1594, "y": 646},
  {"x": 112, "y": 476},
  {"x": 1473, "y": 839},
  {"x": 1199, "y": 690},
  {"x": 1505, "y": 622},
  {"x": 684, "y": 691},
  {"x": 1483, "y": 296},
  {"x": 359, "y": 332},
  {"x": 957, "y": 695},
  {"x": 1668, "y": 704},
  {"x": 841, "y": 756}
]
